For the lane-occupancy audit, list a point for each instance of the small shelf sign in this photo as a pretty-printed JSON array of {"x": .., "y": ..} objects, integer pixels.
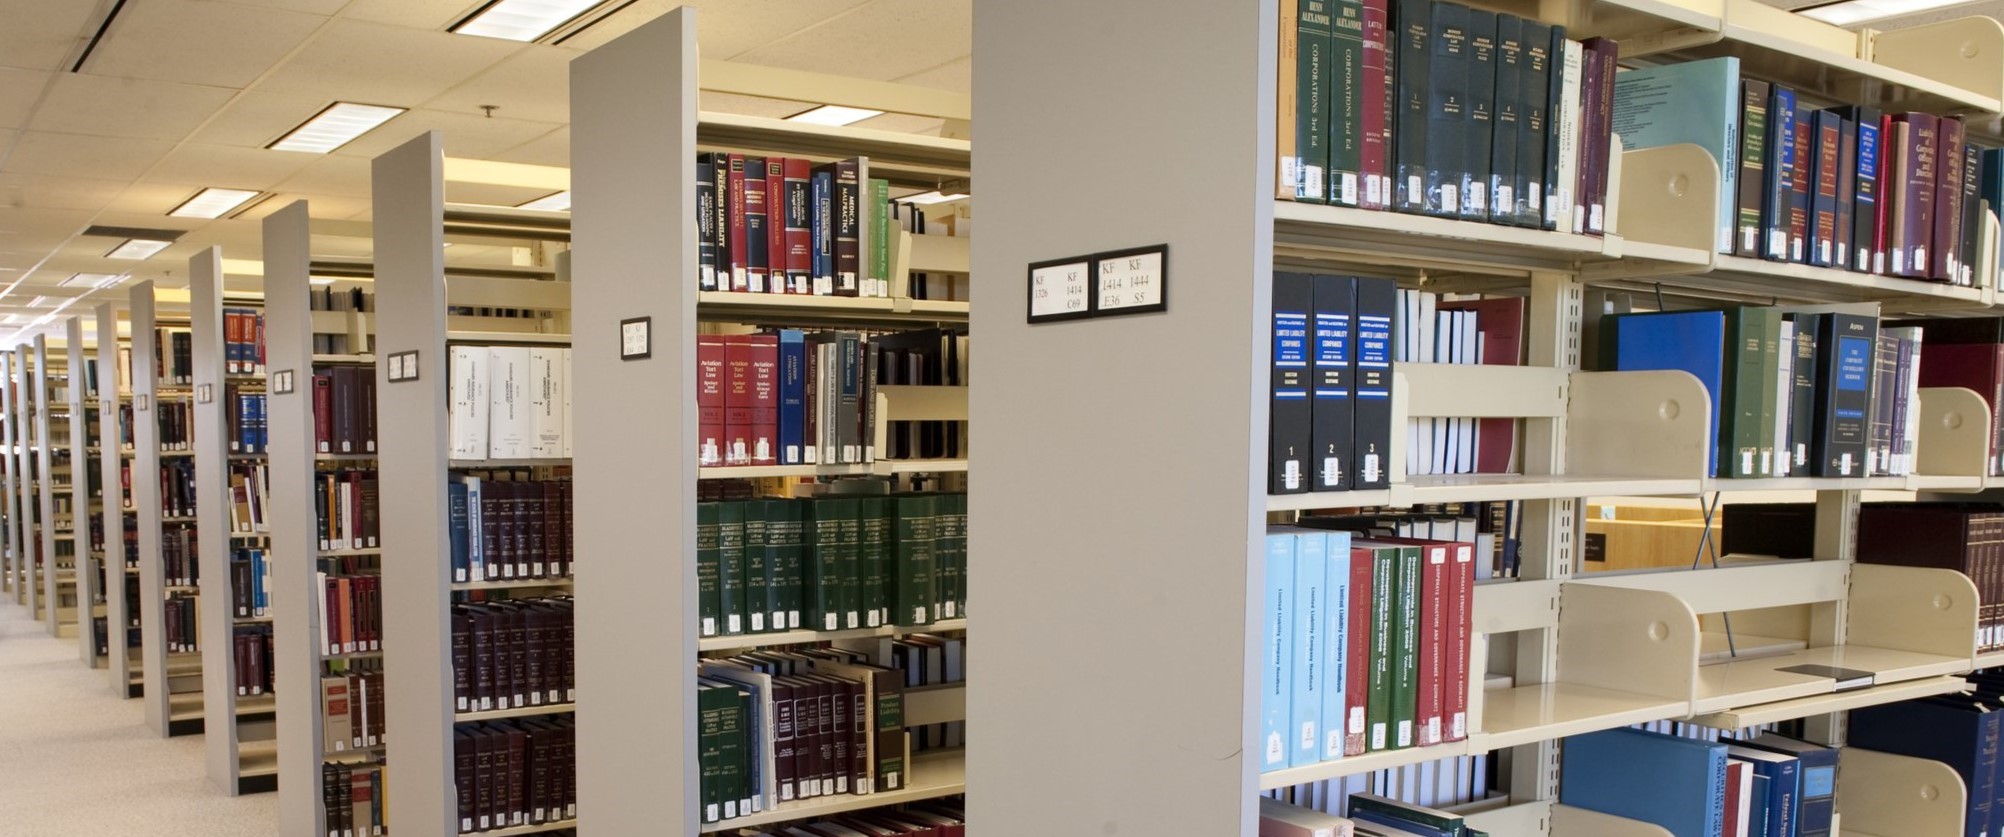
[
  {"x": 205, "y": 394},
  {"x": 1115, "y": 283},
  {"x": 403, "y": 367},
  {"x": 281, "y": 382}
]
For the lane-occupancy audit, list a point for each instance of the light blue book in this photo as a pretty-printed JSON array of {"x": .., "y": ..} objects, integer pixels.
[
  {"x": 1311, "y": 646},
  {"x": 1336, "y": 714},
  {"x": 1677, "y": 783},
  {"x": 1277, "y": 660},
  {"x": 1690, "y": 101}
]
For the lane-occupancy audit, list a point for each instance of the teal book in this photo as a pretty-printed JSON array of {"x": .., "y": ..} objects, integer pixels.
[
  {"x": 1695, "y": 102},
  {"x": 1311, "y": 649},
  {"x": 1676, "y": 783},
  {"x": 1336, "y": 668},
  {"x": 1757, "y": 825},
  {"x": 1276, "y": 665}
]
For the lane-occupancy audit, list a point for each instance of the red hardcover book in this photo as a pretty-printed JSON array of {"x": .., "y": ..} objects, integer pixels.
[
  {"x": 740, "y": 280},
  {"x": 323, "y": 411},
  {"x": 775, "y": 225},
  {"x": 1430, "y": 706},
  {"x": 1500, "y": 322},
  {"x": 1357, "y": 663},
  {"x": 798, "y": 230},
  {"x": 710, "y": 376},
  {"x": 1799, "y": 207},
  {"x": 1975, "y": 366},
  {"x": 1945, "y": 260},
  {"x": 1882, "y": 207},
  {"x": 1375, "y": 109},
  {"x": 739, "y": 400},
  {"x": 1460, "y": 635},
  {"x": 231, "y": 337},
  {"x": 765, "y": 398},
  {"x": 1735, "y": 772}
]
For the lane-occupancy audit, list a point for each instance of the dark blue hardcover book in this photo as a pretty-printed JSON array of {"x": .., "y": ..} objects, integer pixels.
[
  {"x": 1784, "y": 798},
  {"x": 1692, "y": 341},
  {"x": 1447, "y": 110},
  {"x": 1992, "y": 182},
  {"x": 1676, "y": 783},
  {"x": 1332, "y": 436},
  {"x": 1817, "y": 805},
  {"x": 455, "y": 511},
  {"x": 706, "y": 223},
  {"x": 1757, "y": 826},
  {"x": 1554, "y": 95},
  {"x": 1481, "y": 127},
  {"x": 792, "y": 397},
  {"x": 1411, "y": 52},
  {"x": 1963, "y": 737},
  {"x": 1377, "y": 304},
  {"x": 1844, "y": 364},
  {"x": 821, "y": 228},
  {"x": 1288, "y": 410},
  {"x": 1780, "y": 196}
]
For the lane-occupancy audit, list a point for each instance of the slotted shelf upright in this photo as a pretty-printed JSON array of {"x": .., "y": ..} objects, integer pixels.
[
  {"x": 91, "y": 580},
  {"x": 114, "y": 506},
  {"x": 172, "y": 691}
]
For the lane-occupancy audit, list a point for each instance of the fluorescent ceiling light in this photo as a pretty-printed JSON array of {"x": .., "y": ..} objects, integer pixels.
[
  {"x": 212, "y": 203},
  {"x": 833, "y": 115},
  {"x": 559, "y": 202},
  {"x": 93, "y": 280},
  {"x": 932, "y": 197},
  {"x": 1853, "y": 12},
  {"x": 12, "y": 319},
  {"x": 523, "y": 20},
  {"x": 37, "y": 301},
  {"x": 334, "y": 127},
  {"x": 137, "y": 248},
  {"x": 320, "y": 281}
]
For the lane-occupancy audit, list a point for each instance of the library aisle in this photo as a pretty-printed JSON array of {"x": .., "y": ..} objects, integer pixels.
[{"x": 68, "y": 734}]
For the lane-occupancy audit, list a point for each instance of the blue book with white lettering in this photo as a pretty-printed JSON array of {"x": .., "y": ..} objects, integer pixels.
[
  {"x": 1757, "y": 823},
  {"x": 1276, "y": 660},
  {"x": 1311, "y": 649},
  {"x": 1784, "y": 775},
  {"x": 1690, "y": 341},
  {"x": 792, "y": 397},
  {"x": 1816, "y": 808},
  {"x": 1336, "y": 637},
  {"x": 1677, "y": 783}
]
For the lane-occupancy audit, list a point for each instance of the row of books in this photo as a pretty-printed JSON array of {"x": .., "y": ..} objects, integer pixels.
[
  {"x": 249, "y": 497},
  {"x": 1490, "y": 332},
  {"x": 926, "y": 660},
  {"x": 1367, "y": 814},
  {"x": 345, "y": 502},
  {"x": 182, "y": 618},
  {"x": 1465, "y": 782},
  {"x": 180, "y": 566},
  {"x": 504, "y": 526},
  {"x": 176, "y": 420},
  {"x": 352, "y": 795},
  {"x": 252, "y": 645},
  {"x": 843, "y": 733},
  {"x": 173, "y": 355},
  {"x": 1437, "y": 108},
  {"x": 1959, "y": 730},
  {"x": 514, "y": 773},
  {"x": 344, "y": 409},
  {"x": 177, "y": 487},
  {"x": 1693, "y": 787},
  {"x": 352, "y": 711},
  {"x": 1366, "y": 643},
  {"x": 1965, "y": 537},
  {"x": 510, "y": 402},
  {"x": 1802, "y": 393},
  {"x": 248, "y": 426},
  {"x": 328, "y": 298},
  {"x": 830, "y": 563},
  {"x": 936, "y": 818},
  {"x": 351, "y": 615},
  {"x": 786, "y": 398},
  {"x": 250, "y": 582},
  {"x": 1330, "y": 413},
  {"x": 243, "y": 341},
  {"x": 1968, "y": 353},
  {"x": 787, "y": 226},
  {"x": 513, "y": 653}
]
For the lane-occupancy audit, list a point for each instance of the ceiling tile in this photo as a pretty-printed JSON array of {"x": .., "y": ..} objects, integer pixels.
[
  {"x": 39, "y": 34},
  {"x": 956, "y": 75},
  {"x": 534, "y": 84},
  {"x": 317, "y": 7},
  {"x": 416, "y": 14},
  {"x": 152, "y": 199},
  {"x": 489, "y": 194},
  {"x": 885, "y": 39},
  {"x": 227, "y": 166},
  {"x": 904, "y": 123},
  {"x": 20, "y": 228},
  {"x": 120, "y": 107},
  {"x": 19, "y": 90},
  {"x": 384, "y": 65},
  {"x": 31, "y": 191},
  {"x": 551, "y": 149},
  {"x": 199, "y": 42},
  {"x": 466, "y": 135},
  {"x": 748, "y": 105},
  {"x": 725, "y": 28},
  {"x": 258, "y": 119},
  {"x": 344, "y": 177},
  {"x": 73, "y": 155}
]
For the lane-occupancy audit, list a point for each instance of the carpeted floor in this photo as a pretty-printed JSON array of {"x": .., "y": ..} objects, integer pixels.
[{"x": 76, "y": 761}]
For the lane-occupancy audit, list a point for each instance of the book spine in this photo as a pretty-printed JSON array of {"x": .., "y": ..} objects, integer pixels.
[
  {"x": 1481, "y": 93},
  {"x": 1460, "y": 635},
  {"x": 1410, "y": 64},
  {"x": 1312, "y": 91},
  {"x": 1534, "y": 138},
  {"x": 1509, "y": 115},
  {"x": 1921, "y": 167},
  {"x": 1334, "y": 689},
  {"x": 1802, "y": 198},
  {"x": 1348, "y": 98},
  {"x": 706, "y": 223},
  {"x": 1826, "y": 132},
  {"x": 848, "y": 228},
  {"x": 1447, "y": 110},
  {"x": 1276, "y": 665},
  {"x": 1290, "y": 408},
  {"x": 1865, "y": 257},
  {"x": 765, "y": 398},
  {"x": 798, "y": 234},
  {"x": 1600, "y": 138},
  {"x": 1358, "y": 661},
  {"x": 1406, "y": 634},
  {"x": 1376, "y": 98},
  {"x": 1847, "y": 185},
  {"x": 1945, "y": 262},
  {"x": 821, "y": 234},
  {"x": 1970, "y": 234},
  {"x": 758, "y": 242},
  {"x": 1845, "y": 360},
  {"x": 1430, "y": 646},
  {"x": 1377, "y": 303},
  {"x": 1778, "y": 201},
  {"x": 1309, "y": 593},
  {"x": 1802, "y": 409},
  {"x": 1332, "y": 437},
  {"x": 1563, "y": 172},
  {"x": 1288, "y": 110},
  {"x": 735, "y": 224},
  {"x": 1383, "y": 652},
  {"x": 792, "y": 437}
]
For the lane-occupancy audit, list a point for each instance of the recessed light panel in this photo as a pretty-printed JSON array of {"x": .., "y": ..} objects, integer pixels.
[
  {"x": 559, "y": 202},
  {"x": 836, "y": 115},
  {"x": 137, "y": 248},
  {"x": 91, "y": 280},
  {"x": 336, "y": 126},
  {"x": 212, "y": 203},
  {"x": 523, "y": 20},
  {"x": 1853, "y": 12}
]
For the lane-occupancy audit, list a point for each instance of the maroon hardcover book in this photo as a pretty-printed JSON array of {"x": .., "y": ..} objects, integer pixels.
[
  {"x": 764, "y": 350},
  {"x": 1910, "y": 229},
  {"x": 1500, "y": 321},
  {"x": 739, "y": 400},
  {"x": 323, "y": 411},
  {"x": 1800, "y": 206},
  {"x": 740, "y": 279},
  {"x": 1945, "y": 260},
  {"x": 1975, "y": 366},
  {"x": 1376, "y": 108},
  {"x": 1601, "y": 140}
]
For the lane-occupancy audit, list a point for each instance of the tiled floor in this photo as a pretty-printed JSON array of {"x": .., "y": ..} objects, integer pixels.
[{"x": 76, "y": 761}]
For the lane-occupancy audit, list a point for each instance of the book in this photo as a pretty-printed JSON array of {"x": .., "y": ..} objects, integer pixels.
[
  {"x": 1310, "y": 650},
  {"x": 467, "y": 402},
  {"x": 1778, "y": 200},
  {"x": 1914, "y": 171},
  {"x": 1673, "y": 782},
  {"x": 1563, "y": 207},
  {"x": 1348, "y": 96},
  {"x": 1276, "y": 664},
  {"x": 1784, "y": 782},
  {"x": 1945, "y": 259},
  {"x": 1332, "y": 431},
  {"x": 1533, "y": 130},
  {"x": 1599, "y": 141},
  {"x": 1817, "y": 805},
  {"x": 1865, "y": 191},
  {"x": 1377, "y": 100},
  {"x": 1691, "y": 341},
  {"x": 1826, "y": 132},
  {"x": 1289, "y": 411},
  {"x": 1481, "y": 122},
  {"x": 1314, "y": 47},
  {"x": 1688, "y": 102},
  {"x": 1279, "y": 819},
  {"x": 1843, "y": 394},
  {"x": 1845, "y": 245},
  {"x": 1447, "y": 121},
  {"x": 1505, "y": 178},
  {"x": 1408, "y": 64},
  {"x": 1377, "y": 303}
]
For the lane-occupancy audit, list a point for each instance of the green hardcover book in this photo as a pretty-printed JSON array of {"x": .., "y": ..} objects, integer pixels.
[
  {"x": 783, "y": 541},
  {"x": 1431, "y": 819},
  {"x": 880, "y": 233},
  {"x": 1739, "y": 439},
  {"x": 1384, "y": 638},
  {"x": 1405, "y": 659},
  {"x": 1770, "y": 384},
  {"x": 849, "y": 557},
  {"x": 914, "y": 580},
  {"x": 732, "y": 749},
  {"x": 950, "y": 552},
  {"x": 708, "y": 606},
  {"x": 1312, "y": 86},
  {"x": 709, "y": 750},
  {"x": 758, "y": 568},
  {"x": 822, "y": 542},
  {"x": 873, "y": 564},
  {"x": 1346, "y": 101},
  {"x": 731, "y": 566}
]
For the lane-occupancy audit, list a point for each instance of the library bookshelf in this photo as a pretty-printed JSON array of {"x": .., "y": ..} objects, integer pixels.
[
  {"x": 172, "y": 691},
  {"x": 1586, "y": 651},
  {"x": 114, "y": 505}
]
